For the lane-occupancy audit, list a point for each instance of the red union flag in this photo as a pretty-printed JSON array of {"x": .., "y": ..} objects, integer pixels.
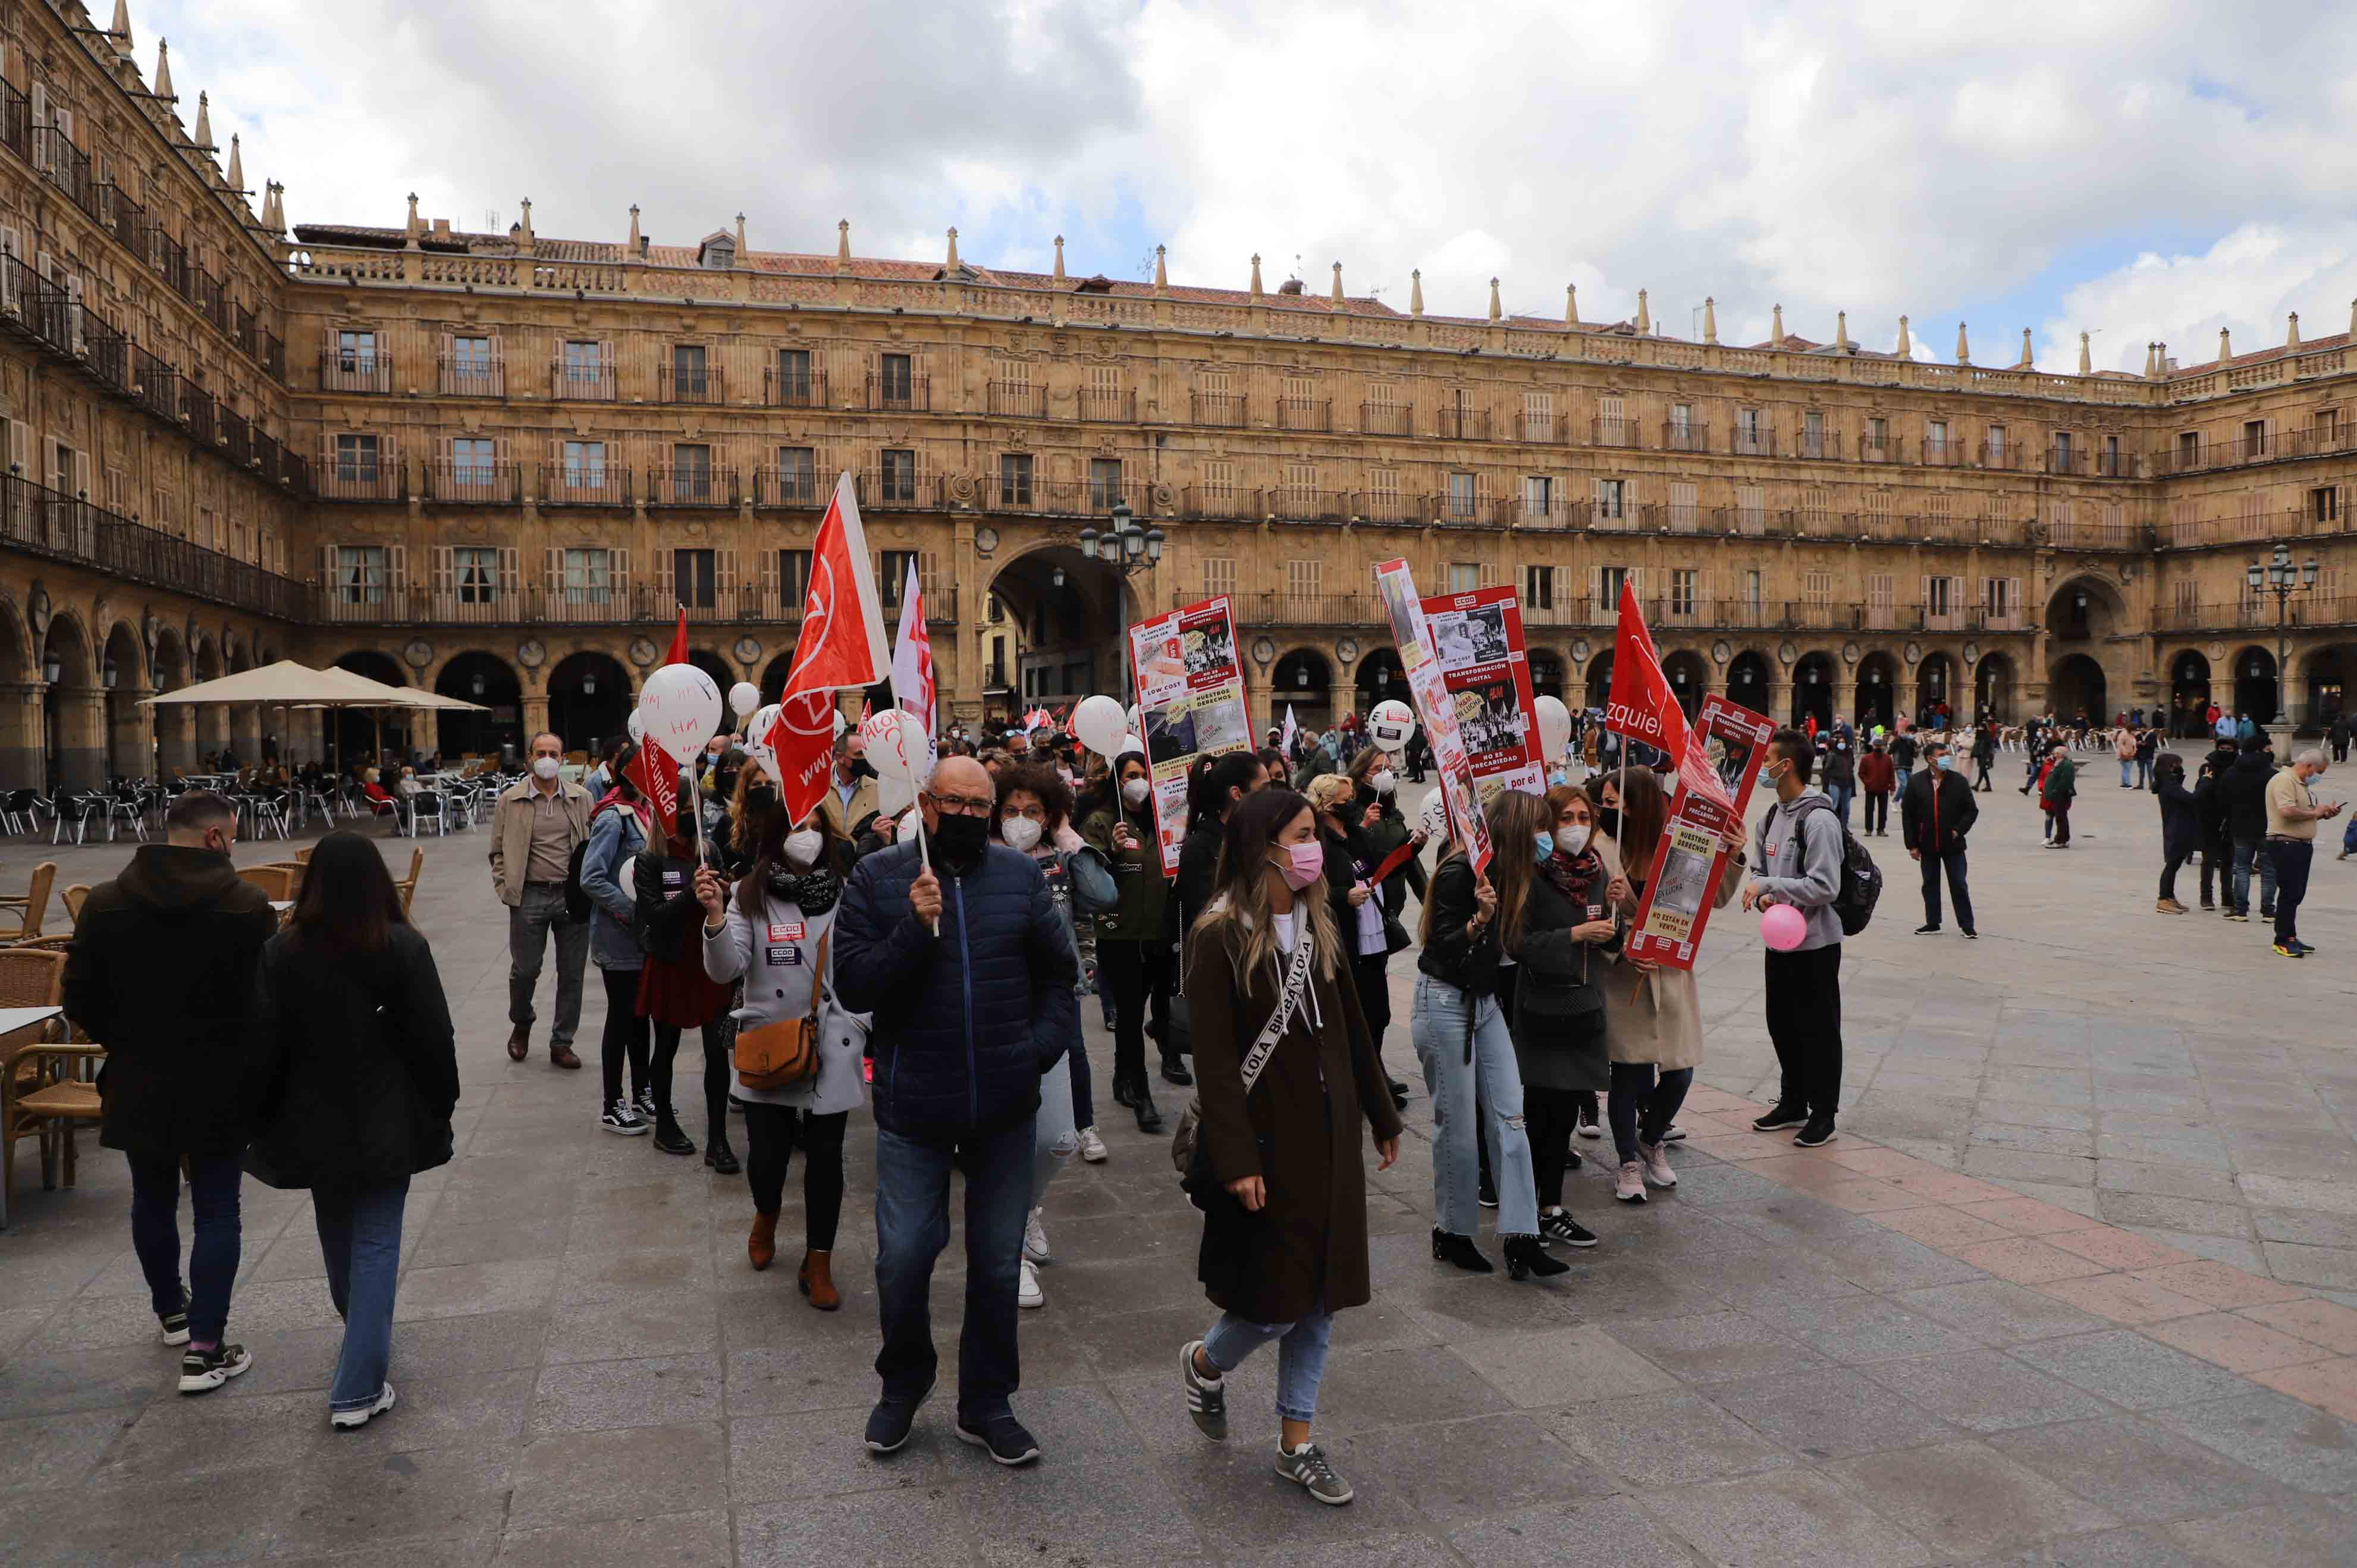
[
  {"x": 1642, "y": 707},
  {"x": 841, "y": 649},
  {"x": 653, "y": 769}
]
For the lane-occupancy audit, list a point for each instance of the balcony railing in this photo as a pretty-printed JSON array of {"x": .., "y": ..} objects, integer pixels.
[
  {"x": 1461, "y": 423},
  {"x": 2099, "y": 536},
  {"x": 473, "y": 481},
  {"x": 1753, "y": 441},
  {"x": 16, "y": 121},
  {"x": 1686, "y": 437},
  {"x": 899, "y": 395},
  {"x": 1312, "y": 413},
  {"x": 1884, "y": 450},
  {"x": 472, "y": 376},
  {"x": 774, "y": 486},
  {"x": 1276, "y": 609},
  {"x": 691, "y": 385},
  {"x": 1384, "y": 418},
  {"x": 1289, "y": 503},
  {"x": 1466, "y": 511},
  {"x": 236, "y": 438},
  {"x": 587, "y": 383},
  {"x": 37, "y": 519},
  {"x": 1106, "y": 407},
  {"x": 1384, "y": 506},
  {"x": 2004, "y": 457},
  {"x": 1817, "y": 446},
  {"x": 1222, "y": 410},
  {"x": 67, "y": 166},
  {"x": 1015, "y": 399},
  {"x": 1938, "y": 452},
  {"x": 1605, "y": 430},
  {"x": 782, "y": 388},
  {"x": 1222, "y": 501},
  {"x": 1533, "y": 428},
  {"x": 376, "y": 478},
  {"x": 584, "y": 484},
  {"x": 197, "y": 412},
  {"x": 154, "y": 384},
  {"x": 1062, "y": 498},
  {"x": 343, "y": 371},
  {"x": 2255, "y": 529},
  {"x": 691, "y": 483},
  {"x": 899, "y": 489},
  {"x": 2115, "y": 465}
]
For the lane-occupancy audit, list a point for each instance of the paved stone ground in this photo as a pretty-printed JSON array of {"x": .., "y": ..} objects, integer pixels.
[{"x": 2084, "y": 1303}]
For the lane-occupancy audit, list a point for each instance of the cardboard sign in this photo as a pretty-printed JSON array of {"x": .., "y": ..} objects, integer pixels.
[
  {"x": 1396, "y": 586},
  {"x": 1191, "y": 702},
  {"x": 1486, "y": 670},
  {"x": 1693, "y": 853}
]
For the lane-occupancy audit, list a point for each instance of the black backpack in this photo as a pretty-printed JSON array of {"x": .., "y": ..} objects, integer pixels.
[{"x": 1861, "y": 879}]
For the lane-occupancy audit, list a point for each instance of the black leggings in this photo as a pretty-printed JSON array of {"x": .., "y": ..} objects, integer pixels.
[
  {"x": 1371, "y": 971},
  {"x": 1550, "y": 1116},
  {"x": 770, "y": 1133},
  {"x": 2168, "y": 874},
  {"x": 1635, "y": 1092},
  {"x": 625, "y": 1034},
  {"x": 1138, "y": 974},
  {"x": 716, "y": 1074}
]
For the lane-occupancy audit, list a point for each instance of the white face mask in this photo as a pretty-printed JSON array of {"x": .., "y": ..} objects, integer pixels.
[
  {"x": 1384, "y": 779},
  {"x": 1021, "y": 833},
  {"x": 1134, "y": 791},
  {"x": 543, "y": 766},
  {"x": 1571, "y": 840},
  {"x": 802, "y": 846}
]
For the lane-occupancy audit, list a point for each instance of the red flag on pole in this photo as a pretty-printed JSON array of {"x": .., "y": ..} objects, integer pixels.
[
  {"x": 841, "y": 649},
  {"x": 1642, "y": 707},
  {"x": 654, "y": 770}
]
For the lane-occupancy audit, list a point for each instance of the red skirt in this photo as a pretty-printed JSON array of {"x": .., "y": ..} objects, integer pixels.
[{"x": 681, "y": 995}]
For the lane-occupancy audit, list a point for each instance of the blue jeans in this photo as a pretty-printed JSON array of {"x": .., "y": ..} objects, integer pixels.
[
  {"x": 2127, "y": 765},
  {"x": 1841, "y": 794},
  {"x": 360, "y": 1237},
  {"x": 1904, "y": 774},
  {"x": 913, "y": 1226},
  {"x": 1439, "y": 1028},
  {"x": 1055, "y": 1138},
  {"x": 2245, "y": 852},
  {"x": 1301, "y": 1347},
  {"x": 213, "y": 1242}
]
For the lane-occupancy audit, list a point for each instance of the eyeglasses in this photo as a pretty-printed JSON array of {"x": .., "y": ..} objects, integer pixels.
[{"x": 964, "y": 805}]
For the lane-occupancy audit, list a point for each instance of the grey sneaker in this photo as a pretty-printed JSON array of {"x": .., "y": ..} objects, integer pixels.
[
  {"x": 1207, "y": 1398},
  {"x": 1306, "y": 1467}
]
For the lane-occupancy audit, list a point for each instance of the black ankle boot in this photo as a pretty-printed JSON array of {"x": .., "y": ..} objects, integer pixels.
[
  {"x": 1460, "y": 1251},
  {"x": 669, "y": 1138},
  {"x": 1149, "y": 1120},
  {"x": 1174, "y": 1070},
  {"x": 1124, "y": 1094},
  {"x": 1526, "y": 1259},
  {"x": 717, "y": 1154}
]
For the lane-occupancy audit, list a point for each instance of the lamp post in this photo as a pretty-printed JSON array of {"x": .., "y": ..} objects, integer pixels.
[
  {"x": 2277, "y": 576},
  {"x": 1123, "y": 544}
]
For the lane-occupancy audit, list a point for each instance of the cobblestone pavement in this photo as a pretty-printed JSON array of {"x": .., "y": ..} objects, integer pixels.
[{"x": 2071, "y": 1288}]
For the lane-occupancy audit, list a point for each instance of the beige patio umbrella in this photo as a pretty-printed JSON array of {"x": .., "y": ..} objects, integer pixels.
[{"x": 289, "y": 685}]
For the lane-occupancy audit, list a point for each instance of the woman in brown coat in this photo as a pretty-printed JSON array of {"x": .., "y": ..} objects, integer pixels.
[{"x": 1285, "y": 1229}]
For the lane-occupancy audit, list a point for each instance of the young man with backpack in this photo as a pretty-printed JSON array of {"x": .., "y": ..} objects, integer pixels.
[{"x": 1800, "y": 848}]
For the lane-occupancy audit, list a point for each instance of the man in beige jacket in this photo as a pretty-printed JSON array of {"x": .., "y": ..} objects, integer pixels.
[{"x": 535, "y": 827}]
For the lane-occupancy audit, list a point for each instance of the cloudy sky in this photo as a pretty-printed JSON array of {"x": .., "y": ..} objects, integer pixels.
[{"x": 2140, "y": 170}]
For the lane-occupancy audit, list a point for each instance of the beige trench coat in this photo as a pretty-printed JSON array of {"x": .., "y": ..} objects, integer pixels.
[{"x": 1657, "y": 1018}]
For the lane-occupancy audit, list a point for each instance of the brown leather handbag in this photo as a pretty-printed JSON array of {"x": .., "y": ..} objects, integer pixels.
[{"x": 784, "y": 1055}]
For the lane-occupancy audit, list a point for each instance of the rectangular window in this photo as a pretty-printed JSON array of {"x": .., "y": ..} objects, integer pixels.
[
  {"x": 2113, "y": 467},
  {"x": 1751, "y": 509},
  {"x": 1104, "y": 483},
  {"x": 1685, "y": 513},
  {"x": 1219, "y": 576},
  {"x": 1877, "y": 433},
  {"x": 896, "y": 475},
  {"x": 356, "y": 459},
  {"x": 1680, "y": 420},
  {"x": 2324, "y": 505},
  {"x": 2062, "y": 452},
  {"x": 1538, "y": 416},
  {"x": 1610, "y": 580},
  {"x": 1880, "y": 590},
  {"x": 1219, "y": 481},
  {"x": 1752, "y": 591},
  {"x": 476, "y": 572},
  {"x": 1538, "y": 587},
  {"x": 1751, "y": 432},
  {"x": 1015, "y": 479},
  {"x": 2189, "y": 449},
  {"x": 2325, "y": 428},
  {"x": 1935, "y": 440},
  {"x": 793, "y": 579},
  {"x": 1818, "y": 586},
  {"x": 694, "y": 578},
  {"x": 356, "y": 352},
  {"x": 1812, "y": 434},
  {"x": 892, "y": 575},
  {"x": 690, "y": 472},
  {"x": 1997, "y": 596},
  {"x": 1301, "y": 480},
  {"x": 1538, "y": 496},
  {"x": 359, "y": 574},
  {"x": 1997, "y": 447},
  {"x": 470, "y": 358},
  {"x": 588, "y": 577},
  {"x": 896, "y": 379},
  {"x": 1612, "y": 498},
  {"x": 1463, "y": 492},
  {"x": 1936, "y": 600},
  {"x": 585, "y": 464},
  {"x": 688, "y": 375},
  {"x": 1682, "y": 591},
  {"x": 1464, "y": 576},
  {"x": 585, "y": 369},
  {"x": 2255, "y": 439},
  {"x": 798, "y": 474},
  {"x": 1611, "y": 425},
  {"x": 795, "y": 386},
  {"x": 473, "y": 460}
]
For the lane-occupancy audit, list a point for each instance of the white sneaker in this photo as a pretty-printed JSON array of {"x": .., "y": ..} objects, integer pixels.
[
  {"x": 623, "y": 1117},
  {"x": 1657, "y": 1165},
  {"x": 348, "y": 1419},
  {"x": 1092, "y": 1148},
  {"x": 1027, "y": 1292},
  {"x": 1035, "y": 1240}
]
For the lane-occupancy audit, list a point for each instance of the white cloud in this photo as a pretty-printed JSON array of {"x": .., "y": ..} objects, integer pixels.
[{"x": 1826, "y": 156}]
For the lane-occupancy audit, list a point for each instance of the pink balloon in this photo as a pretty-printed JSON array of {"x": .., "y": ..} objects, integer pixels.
[{"x": 1783, "y": 928}]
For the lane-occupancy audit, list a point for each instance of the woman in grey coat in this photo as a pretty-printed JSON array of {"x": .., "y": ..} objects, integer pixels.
[{"x": 773, "y": 930}]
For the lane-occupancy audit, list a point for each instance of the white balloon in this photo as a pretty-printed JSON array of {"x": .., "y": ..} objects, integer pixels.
[
  {"x": 679, "y": 709},
  {"x": 1098, "y": 723},
  {"x": 637, "y": 730},
  {"x": 1131, "y": 743},
  {"x": 1136, "y": 726},
  {"x": 757, "y": 739},
  {"x": 743, "y": 698},
  {"x": 1555, "y": 727},
  {"x": 1390, "y": 723},
  {"x": 895, "y": 743},
  {"x": 894, "y": 796}
]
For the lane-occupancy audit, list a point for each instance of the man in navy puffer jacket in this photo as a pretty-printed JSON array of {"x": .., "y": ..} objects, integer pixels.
[{"x": 966, "y": 1021}]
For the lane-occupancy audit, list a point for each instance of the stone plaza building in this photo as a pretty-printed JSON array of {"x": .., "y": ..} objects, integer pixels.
[{"x": 493, "y": 464}]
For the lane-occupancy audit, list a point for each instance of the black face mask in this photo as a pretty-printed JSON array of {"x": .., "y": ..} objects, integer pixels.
[
  {"x": 760, "y": 797},
  {"x": 1608, "y": 822},
  {"x": 960, "y": 839},
  {"x": 723, "y": 783}
]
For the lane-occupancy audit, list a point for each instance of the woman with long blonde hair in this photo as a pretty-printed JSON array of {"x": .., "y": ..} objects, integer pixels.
[{"x": 1284, "y": 1225}]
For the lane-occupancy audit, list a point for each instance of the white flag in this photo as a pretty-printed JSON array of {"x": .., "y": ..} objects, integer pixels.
[
  {"x": 1284, "y": 741},
  {"x": 912, "y": 662}
]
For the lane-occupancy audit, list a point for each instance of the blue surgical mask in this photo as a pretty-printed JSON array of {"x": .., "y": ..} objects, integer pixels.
[
  {"x": 1947, "y": 764},
  {"x": 1768, "y": 778},
  {"x": 1545, "y": 845}
]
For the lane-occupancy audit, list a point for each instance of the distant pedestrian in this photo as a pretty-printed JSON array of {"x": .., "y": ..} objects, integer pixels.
[
  {"x": 160, "y": 972},
  {"x": 1839, "y": 776},
  {"x": 2242, "y": 791},
  {"x": 2123, "y": 747},
  {"x": 2337, "y": 738},
  {"x": 357, "y": 1074},
  {"x": 1937, "y": 814},
  {"x": 1797, "y": 852},
  {"x": 675, "y": 993},
  {"x": 616, "y": 834},
  {"x": 2292, "y": 816},
  {"x": 536, "y": 825},
  {"x": 1877, "y": 777},
  {"x": 2180, "y": 830},
  {"x": 2217, "y": 840},
  {"x": 1983, "y": 757},
  {"x": 2056, "y": 790}
]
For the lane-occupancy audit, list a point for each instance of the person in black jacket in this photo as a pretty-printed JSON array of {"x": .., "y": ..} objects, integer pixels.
[
  {"x": 1938, "y": 812},
  {"x": 675, "y": 993},
  {"x": 2181, "y": 827},
  {"x": 159, "y": 973},
  {"x": 970, "y": 976},
  {"x": 2217, "y": 844},
  {"x": 1370, "y": 935},
  {"x": 1213, "y": 792},
  {"x": 2242, "y": 791},
  {"x": 358, "y": 1073}
]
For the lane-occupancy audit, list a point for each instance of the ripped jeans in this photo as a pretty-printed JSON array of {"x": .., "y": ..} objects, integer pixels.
[
  {"x": 1054, "y": 1139},
  {"x": 1439, "y": 1026}
]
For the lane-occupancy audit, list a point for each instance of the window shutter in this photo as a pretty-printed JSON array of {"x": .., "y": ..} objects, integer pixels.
[
  {"x": 20, "y": 448},
  {"x": 770, "y": 576},
  {"x": 445, "y": 351},
  {"x": 618, "y": 569},
  {"x": 326, "y": 566},
  {"x": 396, "y": 569},
  {"x": 666, "y": 589},
  {"x": 556, "y": 575},
  {"x": 504, "y": 456},
  {"x": 723, "y": 575},
  {"x": 444, "y": 567},
  {"x": 507, "y": 574}
]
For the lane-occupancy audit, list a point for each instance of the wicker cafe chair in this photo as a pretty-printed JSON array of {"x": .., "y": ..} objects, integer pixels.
[
  {"x": 32, "y": 906},
  {"x": 73, "y": 897},
  {"x": 276, "y": 881},
  {"x": 31, "y": 978},
  {"x": 293, "y": 870},
  {"x": 408, "y": 886}
]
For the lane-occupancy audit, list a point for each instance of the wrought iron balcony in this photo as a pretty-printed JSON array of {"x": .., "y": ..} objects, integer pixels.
[
  {"x": 355, "y": 371},
  {"x": 474, "y": 481}
]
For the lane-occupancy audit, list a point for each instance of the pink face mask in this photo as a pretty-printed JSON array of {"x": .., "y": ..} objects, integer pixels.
[{"x": 1304, "y": 863}]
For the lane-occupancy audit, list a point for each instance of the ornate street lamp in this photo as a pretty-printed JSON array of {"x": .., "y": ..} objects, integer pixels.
[
  {"x": 2278, "y": 576},
  {"x": 1123, "y": 544}
]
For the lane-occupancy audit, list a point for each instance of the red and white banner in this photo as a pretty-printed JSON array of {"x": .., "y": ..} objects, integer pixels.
[
  {"x": 1486, "y": 669},
  {"x": 1642, "y": 706},
  {"x": 1693, "y": 853},
  {"x": 841, "y": 649},
  {"x": 1190, "y": 704},
  {"x": 654, "y": 770},
  {"x": 912, "y": 663},
  {"x": 1430, "y": 687}
]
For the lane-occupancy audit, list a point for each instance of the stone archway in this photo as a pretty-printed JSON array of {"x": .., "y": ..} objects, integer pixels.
[
  {"x": 1936, "y": 683},
  {"x": 773, "y": 676},
  {"x": 489, "y": 681},
  {"x": 1547, "y": 673},
  {"x": 1598, "y": 684},
  {"x": 2257, "y": 693},
  {"x": 1878, "y": 691},
  {"x": 1381, "y": 678},
  {"x": 210, "y": 721},
  {"x": 1748, "y": 680},
  {"x": 1070, "y": 614},
  {"x": 73, "y": 709},
  {"x": 2324, "y": 687},
  {"x": 122, "y": 674},
  {"x": 1813, "y": 691},
  {"x": 23, "y": 764},
  {"x": 1303, "y": 680},
  {"x": 2076, "y": 685},
  {"x": 589, "y": 700},
  {"x": 2188, "y": 693},
  {"x": 1993, "y": 682},
  {"x": 1689, "y": 674}
]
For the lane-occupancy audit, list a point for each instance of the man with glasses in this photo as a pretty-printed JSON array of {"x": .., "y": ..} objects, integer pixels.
[{"x": 970, "y": 975}]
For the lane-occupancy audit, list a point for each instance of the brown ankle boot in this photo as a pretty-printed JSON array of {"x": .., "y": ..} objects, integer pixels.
[
  {"x": 762, "y": 1246},
  {"x": 817, "y": 1282}
]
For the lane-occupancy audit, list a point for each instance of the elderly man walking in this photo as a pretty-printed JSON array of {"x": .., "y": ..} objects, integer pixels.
[
  {"x": 2292, "y": 816},
  {"x": 970, "y": 974},
  {"x": 535, "y": 827}
]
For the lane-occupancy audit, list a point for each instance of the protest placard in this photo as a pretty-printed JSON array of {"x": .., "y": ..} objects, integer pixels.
[{"x": 1191, "y": 702}]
